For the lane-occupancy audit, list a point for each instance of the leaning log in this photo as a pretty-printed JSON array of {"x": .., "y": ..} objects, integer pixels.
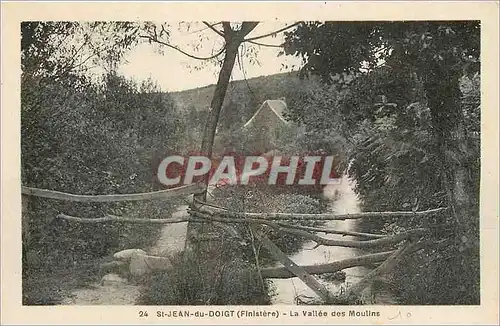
[
  {"x": 321, "y": 217},
  {"x": 354, "y": 291},
  {"x": 282, "y": 272},
  {"x": 292, "y": 267}
]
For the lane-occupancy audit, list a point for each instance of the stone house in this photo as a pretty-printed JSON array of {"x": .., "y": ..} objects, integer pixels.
[{"x": 266, "y": 124}]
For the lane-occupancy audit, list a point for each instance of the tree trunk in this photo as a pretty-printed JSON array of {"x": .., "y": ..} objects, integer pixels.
[
  {"x": 444, "y": 95},
  {"x": 233, "y": 41},
  {"x": 218, "y": 98},
  {"x": 444, "y": 101},
  {"x": 210, "y": 128}
]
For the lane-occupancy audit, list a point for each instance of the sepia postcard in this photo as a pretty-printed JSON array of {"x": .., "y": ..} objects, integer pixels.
[{"x": 250, "y": 162}]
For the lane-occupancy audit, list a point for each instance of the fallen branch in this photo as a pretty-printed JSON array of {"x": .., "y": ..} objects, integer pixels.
[
  {"x": 333, "y": 231},
  {"x": 386, "y": 241},
  {"x": 320, "y": 217},
  {"x": 297, "y": 270},
  {"x": 354, "y": 291},
  {"x": 113, "y": 218},
  {"x": 283, "y": 272},
  {"x": 162, "y": 194},
  {"x": 155, "y": 39},
  {"x": 306, "y": 228},
  {"x": 200, "y": 217},
  {"x": 363, "y": 260}
]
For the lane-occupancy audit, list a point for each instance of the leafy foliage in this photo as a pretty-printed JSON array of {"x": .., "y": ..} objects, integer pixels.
[
  {"x": 87, "y": 137},
  {"x": 62, "y": 51},
  {"x": 403, "y": 99},
  {"x": 223, "y": 280}
]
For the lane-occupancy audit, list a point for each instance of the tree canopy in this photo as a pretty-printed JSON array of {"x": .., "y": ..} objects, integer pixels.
[{"x": 403, "y": 97}]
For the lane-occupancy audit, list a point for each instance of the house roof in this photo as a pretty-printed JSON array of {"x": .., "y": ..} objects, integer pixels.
[{"x": 277, "y": 106}]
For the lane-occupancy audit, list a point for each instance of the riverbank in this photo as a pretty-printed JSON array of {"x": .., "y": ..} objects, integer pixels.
[{"x": 342, "y": 200}]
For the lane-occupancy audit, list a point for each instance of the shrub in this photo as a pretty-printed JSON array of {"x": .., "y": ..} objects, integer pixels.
[
  {"x": 223, "y": 280},
  {"x": 267, "y": 200}
]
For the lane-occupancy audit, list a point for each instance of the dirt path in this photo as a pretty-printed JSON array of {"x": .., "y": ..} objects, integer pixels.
[
  {"x": 119, "y": 292},
  {"x": 173, "y": 236}
]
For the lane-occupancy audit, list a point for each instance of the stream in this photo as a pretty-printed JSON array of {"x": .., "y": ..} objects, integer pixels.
[{"x": 343, "y": 200}]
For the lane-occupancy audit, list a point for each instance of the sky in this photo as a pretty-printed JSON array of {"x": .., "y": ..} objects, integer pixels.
[{"x": 173, "y": 71}]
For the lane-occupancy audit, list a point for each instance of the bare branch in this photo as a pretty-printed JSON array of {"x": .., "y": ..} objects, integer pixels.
[
  {"x": 156, "y": 40},
  {"x": 201, "y": 217},
  {"x": 113, "y": 218},
  {"x": 386, "y": 241},
  {"x": 211, "y": 26},
  {"x": 162, "y": 194},
  {"x": 291, "y": 229},
  {"x": 307, "y": 228},
  {"x": 272, "y": 33},
  {"x": 267, "y": 45},
  {"x": 386, "y": 266},
  {"x": 283, "y": 272},
  {"x": 332, "y": 231},
  {"x": 325, "y": 216}
]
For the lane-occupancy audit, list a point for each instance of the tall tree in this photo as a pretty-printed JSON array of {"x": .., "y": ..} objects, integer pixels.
[
  {"x": 435, "y": 55},
  {"x": 234, "y": 35}
]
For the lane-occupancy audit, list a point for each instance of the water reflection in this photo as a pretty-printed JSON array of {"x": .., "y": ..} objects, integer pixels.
[{"x": 343, "y": 200}]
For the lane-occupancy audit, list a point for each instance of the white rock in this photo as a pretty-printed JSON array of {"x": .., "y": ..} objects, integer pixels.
[
  {"x": 112, "y": 279},
  {"x": 126, "y": 255},
  {"x": 143, "y": 264}
]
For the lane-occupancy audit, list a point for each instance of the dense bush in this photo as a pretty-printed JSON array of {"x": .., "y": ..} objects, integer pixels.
[
  {"x": 397, "y": 166},
  {"x": 269, "y": 199},
  {"x": 86, "y": 135},
  {"x": 405, "y": 99},
  {"x": 227, "y": 279},
  {"x": 111, "y": 134}
]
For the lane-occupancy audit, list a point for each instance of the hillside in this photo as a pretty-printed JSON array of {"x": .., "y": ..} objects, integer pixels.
[{"x": 243, "y": 97}]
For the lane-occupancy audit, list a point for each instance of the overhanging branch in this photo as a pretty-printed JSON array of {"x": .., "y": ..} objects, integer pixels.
[
  {"x": 156, "y": 40},
  {"x": 162, "y": 194},
  {"x": 272, "y": 33},
  {"x": 322, "y": 217},
  {"x": 333, "y": 231},
  {"x": 211, "y": 26},
  {"x": 291, "y": 229}
]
